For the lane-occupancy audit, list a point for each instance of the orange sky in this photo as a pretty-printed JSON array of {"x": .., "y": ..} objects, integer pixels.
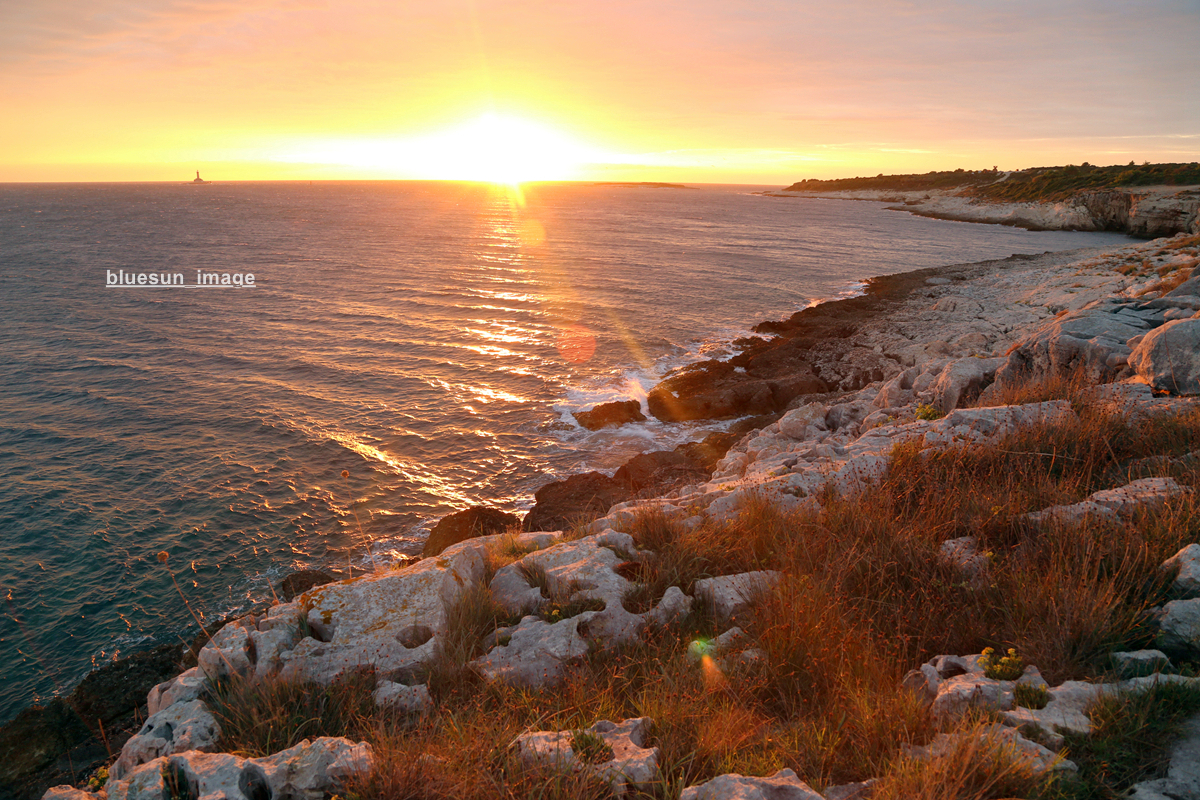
[{"x": 764, "y": 92}]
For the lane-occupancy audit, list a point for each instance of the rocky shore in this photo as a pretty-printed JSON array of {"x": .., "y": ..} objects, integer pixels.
[
  {"x": 933, "y": 359},
  {"x": 1146, "y": 212}
]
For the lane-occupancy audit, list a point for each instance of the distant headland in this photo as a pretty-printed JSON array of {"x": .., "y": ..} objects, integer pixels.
[
  {"x": 1148, "y": 200},
  {"x": 641, "y": 184}
]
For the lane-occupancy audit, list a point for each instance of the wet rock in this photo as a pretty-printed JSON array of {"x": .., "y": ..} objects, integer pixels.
[
  {"x": 631, "y": 764},
  {"x": 783, "y": 785},
  {"x": 175, "y": 729},
  {"x": 301, "y": 581},
  {"x": 467, "y": 524},
  {"x": 34, "y": 740},
  {"x": 659, "y": 470},
  {"x": 610, "y": 414},
  {"x": 717, "y": 390},
  {"x": 561, "y": 504},
  {"x": 118, "y": 688}
]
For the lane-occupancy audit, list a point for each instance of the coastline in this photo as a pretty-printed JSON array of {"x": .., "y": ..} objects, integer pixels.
[
  {"x": 922, "y": 320},
  {"x": 1146, "y": 212}
]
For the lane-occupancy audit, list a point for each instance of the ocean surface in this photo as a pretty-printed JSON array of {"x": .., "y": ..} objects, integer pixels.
[{"x": 428, "y": 338}]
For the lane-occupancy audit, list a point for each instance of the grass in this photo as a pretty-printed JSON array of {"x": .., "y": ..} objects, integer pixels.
[
  {"x": 1130, "y": 741},
  {"x": 865, "y": 598}
]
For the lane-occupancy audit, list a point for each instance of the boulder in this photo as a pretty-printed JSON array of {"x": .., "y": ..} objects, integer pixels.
[
  {"x": 963, "y": 553},
  {"x": 175, "y": 729},
  {"x": 731, "y": 596},
  {"x": 398, "y": 697},
  {"x": 631, "y": 764},
  {"x": 1168, "y": 358},
  {"x": 783, "y": 785},
  {"x": 1187, "y": 561},
  {"x": 1136, "y": 663},
  {"x": 718, "y": 390},
  {"x": 961, "y": 381},
  {"x": 183, "y": 688},
  {"x": 467, "y": 524},
  {"x": 534, "y": 652},
  {"x": 1179, "y": 628},
  {"x": 67, "y": 793},
  {"x": 561, "y": 504},
  {"x": 1037, "y": 757},
  {"x": 610, "y": 414},
  {"x": 301, "y": 581},
  {"x": 660, "y": 469},
  {"x": 806, "y": 422}
]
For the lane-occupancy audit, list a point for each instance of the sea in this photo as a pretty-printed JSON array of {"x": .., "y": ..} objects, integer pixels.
[{"x": 429, "y": 340}]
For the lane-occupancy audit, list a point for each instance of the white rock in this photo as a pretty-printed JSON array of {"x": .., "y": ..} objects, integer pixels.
[
  {"x": 964, "y": 554},
  {"x": 67, "y": 793},
  {"x": 228, "y": 653},
  {"x": 783, "y": 785},
  {"x": 730, "y": 596},
  {"x": 1179, "y": 627},
  {"x": 398, "y": 697},
  {"x": 804, "y": 422},
  {"x": 632, "y": 764},
  {"x": 537, "y": 653},
  {"x": 1183, "y": 772},
  {"x": 1187, "y": 561},
  {"x": 1039, "y": 758},
  {"x": 390, "y": 621},
  {"x": 1168, "y": 358},
  {"x": 186, "y": 686},
  {"x": 1146, "y": 494},
  {"x": 175, "y": 729},
  {"x": 958, "y": 694},
  {"x": 963, "y": 378}
]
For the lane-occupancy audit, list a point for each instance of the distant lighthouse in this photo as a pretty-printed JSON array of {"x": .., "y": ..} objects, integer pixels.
[{"x": 198, "y": 179}]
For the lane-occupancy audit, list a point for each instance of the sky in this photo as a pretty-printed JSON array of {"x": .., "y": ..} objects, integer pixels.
[{"x": 764, "y": 92}]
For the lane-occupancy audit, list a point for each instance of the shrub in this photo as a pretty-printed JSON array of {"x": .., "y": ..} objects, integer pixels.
[
  {"x": 1008, "y": 667},
  {"x": 1029, "y": 695},
  {"x": 927, "y": 412},
  {"x": 590, "y": 748}
]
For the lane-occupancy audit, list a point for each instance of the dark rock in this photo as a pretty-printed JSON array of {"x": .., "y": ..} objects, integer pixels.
[
  {"x": 705, "y": 454},
  {"x": 118, "y": 688},
  {"x": 300, "y": 582},
  {"x": 718, "y": 390},
  {"x": 467, "y": 524},
  {"x": 660, "y": 470},
  {"x": 561, "y": 504},
  {"x": 32, "y": 743},
  {"x": 610, "y": 414}
]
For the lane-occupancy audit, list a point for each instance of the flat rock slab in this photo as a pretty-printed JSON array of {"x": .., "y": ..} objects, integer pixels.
[
  {"x": 731, "y": 596},
  {"x": 1182, "y": 781},
  {"x": 783, "y": 785},
  {"x": 1039, "y": 758}
]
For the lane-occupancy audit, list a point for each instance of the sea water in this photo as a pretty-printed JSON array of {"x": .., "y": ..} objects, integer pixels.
[{"x": 429, "y": 339}]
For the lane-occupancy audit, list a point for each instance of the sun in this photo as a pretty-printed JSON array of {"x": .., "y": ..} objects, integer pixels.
[{"x": 495, "y": 148}]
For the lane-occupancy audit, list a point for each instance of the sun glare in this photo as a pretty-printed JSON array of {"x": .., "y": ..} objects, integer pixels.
[{"x": 494, "y": 148}]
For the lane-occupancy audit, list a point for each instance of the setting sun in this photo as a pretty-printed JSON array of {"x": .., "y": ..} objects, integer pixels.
[{"x": 493, "y": 147}]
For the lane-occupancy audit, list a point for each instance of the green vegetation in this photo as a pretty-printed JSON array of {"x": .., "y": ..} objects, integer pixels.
[
  {"x": 927, "y": 412},
  {"x": 1130, "y": 740},
  {"x": 1008, "y": 667},
  {"x": 590, "y": 748},
  {"x": 1037, "y": 184},
  {"x": 1028, "y": 695}
]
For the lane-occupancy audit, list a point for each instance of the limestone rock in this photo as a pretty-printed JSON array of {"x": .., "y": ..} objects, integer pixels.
[
  {"x": 1168, "y": 358},
  {"x": 964, "y": 554},
  {"x": 804, "y": 423},
  {"x": 1146, "y": 494},
  {"x": 537, "y": 652},
  {"x": 1182, "y": 781},
  {"x": 731, "y": 596},
  {"x": 229, "y": 652},
  {"x": 1137, "y": 663},
  {"x": 187, "y": 686},
  {"x": 632, "y": 764},
  {"x": 180, "y": 727},
  {"x": 1179, "y": 628},
  {"x": 783, "y": 785},
  {"x": 861, "y": 790},
  {"x": 1187, "y": 561},
  {"x": 389, "y": 621},
  {"x": 307, "y": 771},
  {"x": 963, "y": 380},
  {"x": 467, "y": 524},
  {"x": 610, "y": 414},
  {"x": 67, "y": 793},
  {"x": 398, "y": 697},
  {"x": 1039, "y": 758}
]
